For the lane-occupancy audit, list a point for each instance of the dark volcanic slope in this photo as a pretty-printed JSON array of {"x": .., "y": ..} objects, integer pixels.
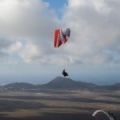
[{"x": 67, "y": 83}]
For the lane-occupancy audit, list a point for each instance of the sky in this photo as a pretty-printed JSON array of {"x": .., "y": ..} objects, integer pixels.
[{"x": 27, "y": 54}]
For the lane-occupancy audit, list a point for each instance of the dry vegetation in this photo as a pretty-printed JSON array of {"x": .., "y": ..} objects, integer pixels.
[{"x": 78, "y": 105}]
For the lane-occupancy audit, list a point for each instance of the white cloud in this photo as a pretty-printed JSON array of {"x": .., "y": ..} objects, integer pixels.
[
  {"x": 26, "y": 18},
  {"x": 95, "y": 29},
  {"x": 30, "y": 52},
  {"x": 27, "y": 30},
  {"x": 12, "y": 48},
  {"x": 27, "y": 25}
]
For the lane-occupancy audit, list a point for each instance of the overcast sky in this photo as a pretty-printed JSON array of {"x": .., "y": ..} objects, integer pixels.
[{"x": 92, "y": 53}]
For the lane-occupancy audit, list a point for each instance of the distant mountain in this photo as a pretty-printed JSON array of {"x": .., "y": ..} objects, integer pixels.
[
  {"x": 59, "y": 83},
  {"x": 18, "y": 86},
  {"x": 113, "y": 87},
  {"x": 67, "y": 83}
]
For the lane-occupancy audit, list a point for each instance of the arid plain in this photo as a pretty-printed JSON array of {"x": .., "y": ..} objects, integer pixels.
[{"x": 57, "y": 105}]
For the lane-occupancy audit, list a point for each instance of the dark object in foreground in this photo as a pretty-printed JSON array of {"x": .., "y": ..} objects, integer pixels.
[{"x": 64, "y": 73}]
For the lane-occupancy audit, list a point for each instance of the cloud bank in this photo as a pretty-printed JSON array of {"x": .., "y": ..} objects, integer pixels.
[{"x": 27, "y": 26}]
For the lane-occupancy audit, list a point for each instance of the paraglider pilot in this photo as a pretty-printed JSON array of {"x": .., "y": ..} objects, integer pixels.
[{"x": 64, "y": 73}]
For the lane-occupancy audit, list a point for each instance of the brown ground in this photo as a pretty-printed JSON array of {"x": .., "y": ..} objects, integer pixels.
[{"x": 72, "y": 105}]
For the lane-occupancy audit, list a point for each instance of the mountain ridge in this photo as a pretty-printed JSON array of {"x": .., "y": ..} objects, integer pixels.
[{"x": 61, "y": 83}]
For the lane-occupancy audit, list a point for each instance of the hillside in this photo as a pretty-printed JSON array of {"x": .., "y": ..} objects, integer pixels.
[
  {"x": 18, "y": 86},
  {"x": 67, "y": 83},
  {"x": 60, "y": 83}
]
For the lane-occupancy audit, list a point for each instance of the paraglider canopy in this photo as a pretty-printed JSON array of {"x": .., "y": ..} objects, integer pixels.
[
  {"x": 103, "y": 115},
  {"x": 61, "y": 36}
]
